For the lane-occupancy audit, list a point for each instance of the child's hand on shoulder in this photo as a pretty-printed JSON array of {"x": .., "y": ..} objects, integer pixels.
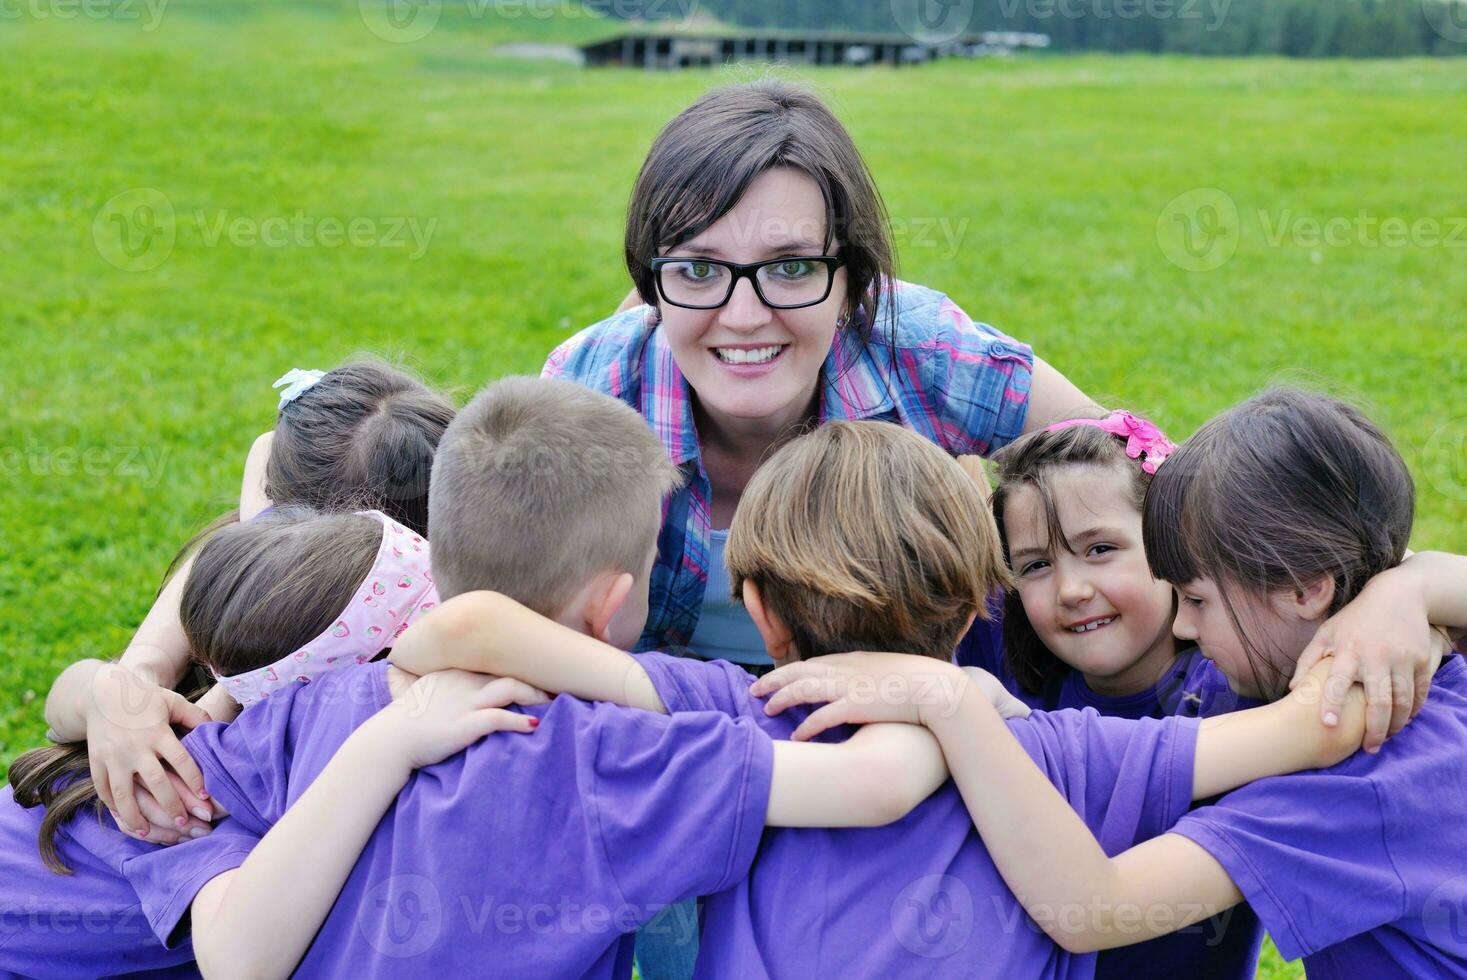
[
  {"x": 863, "y": 688},
  {"x": 1384, "y": 641},
  {"x": 446, "y": 711},
  {"x": 132, "y": 750}
]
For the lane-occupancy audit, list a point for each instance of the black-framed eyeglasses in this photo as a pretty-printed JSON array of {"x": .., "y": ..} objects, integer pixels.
[{"x": 782, "y": 284}]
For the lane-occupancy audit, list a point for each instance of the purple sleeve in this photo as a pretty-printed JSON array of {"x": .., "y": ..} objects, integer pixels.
[
  {"x": 679, "y": 802},
  {"x": 167, "y": 880},
  {"x": 685, "y": 684},
  {"x": 1309, "y": 853},
  {"x": 1129, "y": 780},
  {"x": 251, "y": 785}
]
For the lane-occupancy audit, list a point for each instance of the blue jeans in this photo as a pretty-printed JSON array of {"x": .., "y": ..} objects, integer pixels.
[{"x": 667, "y": 946}]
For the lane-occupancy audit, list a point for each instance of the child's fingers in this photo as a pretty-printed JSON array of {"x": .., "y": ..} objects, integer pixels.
[
  {"x": 836, "y": 713},
  {"x": 807, "y": 690},
  {"x": 1377, "y": 708},
  {"x": 1313, "y": 654},
  {"x": 191, "y": 801},
  {"x": 102, "y": 784},
  {"x": 190, "y": 779},
  {"x": 156, "y": 780},
  {"x": 124, "y": 807},
  {"x": 507, "y": 690},
  {"x": 1424, "y": 673},
  {"x": 490, "y": 720},
  {"x": 1343, "y": 671},
  {"x": 1403, "y": 695},
  {"x": 182, "y": 711},
  {"x": 781, "y": 676},
  {"x": 162, "y": 829}
]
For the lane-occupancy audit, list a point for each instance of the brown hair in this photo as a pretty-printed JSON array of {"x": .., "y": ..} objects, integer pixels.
[
  {"x": 1030, "y": 461},
  {"x": 705, "y": 159},
  {"x": 865, "y": 536},
  {"x": 1275, "y": 493},
  {"x": 361, "y": 438},
  {"x": 257, "y": 591},
  {"x": 540, "y": 484}
]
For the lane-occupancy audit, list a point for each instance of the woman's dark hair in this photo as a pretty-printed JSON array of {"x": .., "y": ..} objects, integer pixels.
[
  {"x": 361, "y": 438},
  {"x": 257, "y": 591},
  {"x": 706, "y": 158},
  {"x": 1031, "y": 461},
  {"x": 1276, "y": 493}
]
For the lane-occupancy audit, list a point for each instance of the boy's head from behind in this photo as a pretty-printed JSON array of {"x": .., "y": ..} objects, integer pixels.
[
  {"x": 863, "y": 536},
  {"x": 551, "y": 493}
]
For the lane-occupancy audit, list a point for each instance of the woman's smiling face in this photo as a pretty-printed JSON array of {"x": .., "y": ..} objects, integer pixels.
[{"x": 745, "y": 361}]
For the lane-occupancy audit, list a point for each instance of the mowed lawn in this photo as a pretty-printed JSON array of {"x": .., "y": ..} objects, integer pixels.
[{"x": 193, "y": 203}]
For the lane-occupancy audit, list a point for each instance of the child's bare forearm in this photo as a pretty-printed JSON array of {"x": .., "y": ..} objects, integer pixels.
[
  {"x": 219, "y": 705},
  {"x": 490, "y": 633},
  {"x": 159, "y": 651},
  {"x": 66, "y": 704},
  {"x": 295, "y": 858},
  {"x": 874, "y": 778},
  {"x": 252, "y": 495},
  {"x": 1042, "y": 848},
  {"x": 1443, "y": 579},
  {"x": 1275, "y": 739}
]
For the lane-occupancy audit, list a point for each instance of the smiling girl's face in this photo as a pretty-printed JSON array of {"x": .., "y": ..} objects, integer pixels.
[
  {"x": 747, "y": 362},
  {"x": 1094, "y": 605}
]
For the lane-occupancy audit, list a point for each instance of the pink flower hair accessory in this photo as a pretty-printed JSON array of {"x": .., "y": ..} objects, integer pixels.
[
  {"x": 1144, "y": 441},
  {"x": 397, "y": 590}
]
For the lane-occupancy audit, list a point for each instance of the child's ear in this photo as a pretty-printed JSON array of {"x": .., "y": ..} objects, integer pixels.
[
  {"x": 779, "y": 642},
  {"x": 1313, "y": 602},
  {"x": 606, "y": 601}
]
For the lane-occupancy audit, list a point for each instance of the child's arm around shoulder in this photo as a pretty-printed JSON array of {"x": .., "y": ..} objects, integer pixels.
[
  {"x": 1051, "y": 859},
  {"x": 492, "y": 634},
  {"x": 874, "y": 778},
  {"x": 436, "y": 717}
]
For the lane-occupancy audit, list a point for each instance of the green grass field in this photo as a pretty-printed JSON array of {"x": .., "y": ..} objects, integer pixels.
[{"x": 195, "y": 202}]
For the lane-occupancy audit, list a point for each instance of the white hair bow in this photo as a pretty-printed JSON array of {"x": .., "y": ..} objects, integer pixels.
[{"x": 296, "y": 381}]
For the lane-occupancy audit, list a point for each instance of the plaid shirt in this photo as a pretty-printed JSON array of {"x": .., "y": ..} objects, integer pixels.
[{"x": 961, "y": 384}]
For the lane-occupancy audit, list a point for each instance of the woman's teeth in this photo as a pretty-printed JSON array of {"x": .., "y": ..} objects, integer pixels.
[
  {"x": 1092, "y": 627},
  {"x": 740, "y": 355}
]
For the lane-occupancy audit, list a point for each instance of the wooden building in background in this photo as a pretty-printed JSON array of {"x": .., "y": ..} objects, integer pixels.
[{"x": 668, "y": 49}]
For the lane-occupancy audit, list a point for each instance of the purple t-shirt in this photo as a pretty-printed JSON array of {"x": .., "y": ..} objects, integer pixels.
[
  {"x": 1362, "y": 868},
  {"x": 922, "y": 897},
  {"x": 86, "y": 924},
  {"x": 522, "y": 850},
  {"x": 1223, "y": 947}
]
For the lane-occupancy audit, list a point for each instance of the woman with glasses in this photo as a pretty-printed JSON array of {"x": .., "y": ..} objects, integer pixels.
[{"x": 759, "y": 243}]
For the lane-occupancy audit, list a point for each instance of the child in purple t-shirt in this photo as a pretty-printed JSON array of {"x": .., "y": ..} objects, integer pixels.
[
  {"x": 270, "y": 603},
  {"x": 1087, "y": 626},
  {"x": 540, "y": 852},
  {"x": 828, "y": 558},
  {"x": 1271, "y": 518}
]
